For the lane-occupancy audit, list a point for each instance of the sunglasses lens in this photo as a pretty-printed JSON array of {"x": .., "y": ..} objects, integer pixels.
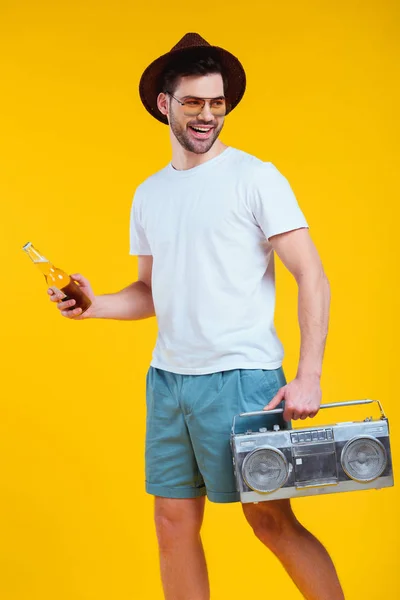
[
  {"x": 218, "y": 107},
  {"x": 194, "y": 106}
]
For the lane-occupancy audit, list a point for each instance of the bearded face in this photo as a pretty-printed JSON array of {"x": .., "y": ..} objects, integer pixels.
[{"x": 196, "y": 133}]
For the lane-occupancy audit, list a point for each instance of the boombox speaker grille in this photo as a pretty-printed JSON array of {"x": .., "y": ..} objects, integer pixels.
[
  {"x": 265, "y": 469},
  {"x": 364, "y": 458}
]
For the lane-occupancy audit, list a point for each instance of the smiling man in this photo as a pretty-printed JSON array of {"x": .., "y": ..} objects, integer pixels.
[{"x": 205, "y": 229}]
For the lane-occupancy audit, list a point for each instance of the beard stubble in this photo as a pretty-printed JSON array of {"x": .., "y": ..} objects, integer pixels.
[{"x": 191, "y": 145}]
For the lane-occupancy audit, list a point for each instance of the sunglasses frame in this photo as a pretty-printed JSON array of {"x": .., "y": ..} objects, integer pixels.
[{"x": 204, "y": 100}]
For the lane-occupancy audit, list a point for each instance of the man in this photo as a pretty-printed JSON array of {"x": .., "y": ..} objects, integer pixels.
[{"x": 205, "y": 229}]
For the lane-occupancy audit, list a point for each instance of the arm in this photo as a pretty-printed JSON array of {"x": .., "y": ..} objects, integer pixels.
[
  {"x": 133, "y": 302},
  {"x": 297, "y": 251}
]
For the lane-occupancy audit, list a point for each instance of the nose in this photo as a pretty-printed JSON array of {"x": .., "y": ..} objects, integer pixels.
[{"x": 206, "y": 112}]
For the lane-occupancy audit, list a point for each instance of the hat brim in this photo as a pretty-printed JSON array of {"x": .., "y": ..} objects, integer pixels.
[{"x": 149, "y": 86}]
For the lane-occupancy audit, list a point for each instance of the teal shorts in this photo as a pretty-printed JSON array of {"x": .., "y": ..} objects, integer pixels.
[{"x": 188, "y": 426}]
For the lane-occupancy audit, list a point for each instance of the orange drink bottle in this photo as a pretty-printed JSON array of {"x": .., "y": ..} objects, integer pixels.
[{"x": 57, "y": 279}]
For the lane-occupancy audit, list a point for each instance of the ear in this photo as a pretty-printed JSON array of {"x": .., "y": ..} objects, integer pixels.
[{"x": 162, "y": 103}]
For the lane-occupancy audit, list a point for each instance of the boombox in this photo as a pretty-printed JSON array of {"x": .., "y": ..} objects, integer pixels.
[{"x": 287, "y": 463}]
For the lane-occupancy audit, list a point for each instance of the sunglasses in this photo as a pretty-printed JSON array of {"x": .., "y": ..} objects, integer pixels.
[{"x": 193, "y": 106}]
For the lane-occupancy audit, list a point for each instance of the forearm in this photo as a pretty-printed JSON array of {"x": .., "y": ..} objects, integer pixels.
[
  {"x": 313, "y": 313},
  {"x": 132, "y": 303}
]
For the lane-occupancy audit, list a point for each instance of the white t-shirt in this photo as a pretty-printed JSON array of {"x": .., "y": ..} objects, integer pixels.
[{"x": 213, "y": 277}]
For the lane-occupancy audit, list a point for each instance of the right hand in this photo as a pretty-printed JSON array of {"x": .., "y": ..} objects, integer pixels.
[{"x": 65, "y": 306}]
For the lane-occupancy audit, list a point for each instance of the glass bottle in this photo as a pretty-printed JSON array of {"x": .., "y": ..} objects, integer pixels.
[{"x": 58, "y": 280}]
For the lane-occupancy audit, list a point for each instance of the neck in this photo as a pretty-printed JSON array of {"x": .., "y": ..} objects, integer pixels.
[{"x": 183, "y": 159}]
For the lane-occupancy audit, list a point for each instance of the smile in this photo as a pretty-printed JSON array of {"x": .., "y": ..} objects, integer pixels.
[{"x": 201, "y": 132}]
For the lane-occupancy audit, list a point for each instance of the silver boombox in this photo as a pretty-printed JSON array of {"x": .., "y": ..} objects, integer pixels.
[{"x": 287, "y": 463}]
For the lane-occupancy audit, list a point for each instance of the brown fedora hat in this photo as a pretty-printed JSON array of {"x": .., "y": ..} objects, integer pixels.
[{"x": 191, "y": 43}]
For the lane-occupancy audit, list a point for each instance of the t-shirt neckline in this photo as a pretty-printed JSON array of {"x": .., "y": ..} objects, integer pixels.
[{"x": 194, "y": 170}]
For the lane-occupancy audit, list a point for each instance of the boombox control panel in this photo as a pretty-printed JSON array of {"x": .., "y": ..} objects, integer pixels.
[{"x": 318, "y": 435}]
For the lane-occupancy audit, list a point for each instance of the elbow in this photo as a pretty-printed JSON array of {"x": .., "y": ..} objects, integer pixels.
[
  {"x": 326, "y": 283},
  {"x": 313, "y": 276},
  {"x": 324, "y": 279},
  {"x": 322, "y": 288},
  {"x": 315, "y": 282}
]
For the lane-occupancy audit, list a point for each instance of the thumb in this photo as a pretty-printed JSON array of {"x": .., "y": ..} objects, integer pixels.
[
  {"x": 79, "y": 278},
  {"x": 277, "y": 399}
]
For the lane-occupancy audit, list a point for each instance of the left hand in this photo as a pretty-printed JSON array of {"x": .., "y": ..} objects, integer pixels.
[{"x": 302, "y": 398}]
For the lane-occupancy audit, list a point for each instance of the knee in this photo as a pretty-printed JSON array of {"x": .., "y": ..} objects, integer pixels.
[
  {"x": 268, "y": 528},
  {"x": 272, "y": 525},
  {"x": 167, "y": 529},
  {"x": 175, "y": 521}
]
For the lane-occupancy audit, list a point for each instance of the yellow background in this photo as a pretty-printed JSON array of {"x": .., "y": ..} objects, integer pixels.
[{"x": 322, "y": 105}]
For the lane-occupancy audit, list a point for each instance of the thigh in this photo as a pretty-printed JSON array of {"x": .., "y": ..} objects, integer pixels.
[
  {"x": 223, "y": 396},
  {"x": 171, "y": 466}
]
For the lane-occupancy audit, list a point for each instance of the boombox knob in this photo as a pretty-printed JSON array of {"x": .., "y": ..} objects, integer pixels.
[{"x": 276, "y": 427}]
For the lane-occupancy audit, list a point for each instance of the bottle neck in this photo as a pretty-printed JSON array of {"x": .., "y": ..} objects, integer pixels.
[{"x": 40, "y": 261}]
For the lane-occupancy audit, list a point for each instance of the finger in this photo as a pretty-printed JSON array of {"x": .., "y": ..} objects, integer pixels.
[
  {"x": 70, "y": 314},
  {"x": 295, "y": 415},
  {"x": 54, "y": 296},
  {"x": 80, "y": 279},
  {"x": 312, "y": 414},
  {"x": 66, "y": 304},
  {"x": 287, "y": 414},
  {"x": 277, "y": 399},
  {"x": 57, "y": 296},
  {"x": 304, "y": 416}
]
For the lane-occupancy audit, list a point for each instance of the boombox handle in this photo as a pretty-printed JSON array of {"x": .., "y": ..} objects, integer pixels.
[{"x": 276, "y": 411}]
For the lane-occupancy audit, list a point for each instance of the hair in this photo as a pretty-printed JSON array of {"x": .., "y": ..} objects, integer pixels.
[{"x": 194, "y": 62}]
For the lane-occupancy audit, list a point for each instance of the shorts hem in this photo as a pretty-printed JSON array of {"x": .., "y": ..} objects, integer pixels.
[
  {"x": 171, "y": 492},
  {"x": 223, "y": 497}
]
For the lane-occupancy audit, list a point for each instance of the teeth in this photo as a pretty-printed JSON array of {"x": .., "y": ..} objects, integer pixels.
[{"x": 200, "y": 129}]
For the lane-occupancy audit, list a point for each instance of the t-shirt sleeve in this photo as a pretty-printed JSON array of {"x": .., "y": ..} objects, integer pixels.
[
  {"x": 138, "y": 240},
  {"x": 273, "y": 203}
]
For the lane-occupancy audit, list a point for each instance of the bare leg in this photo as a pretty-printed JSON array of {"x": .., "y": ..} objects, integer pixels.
[
  {"x": 182, "y": 562},
  {"x": 301, "y": 554}
]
